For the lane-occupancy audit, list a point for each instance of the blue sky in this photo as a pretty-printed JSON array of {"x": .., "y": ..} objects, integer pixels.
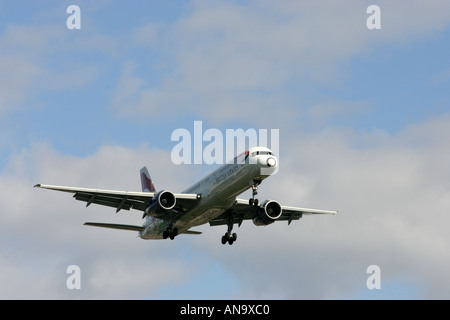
[
  {"x": 379, "y": 82},
  {"x": 360, "y": 112}
]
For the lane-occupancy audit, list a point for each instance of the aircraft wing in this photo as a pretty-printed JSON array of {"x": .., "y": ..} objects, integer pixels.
[
  {"x": 125, "y": 200},
  {"x": 242, "y": 210}
]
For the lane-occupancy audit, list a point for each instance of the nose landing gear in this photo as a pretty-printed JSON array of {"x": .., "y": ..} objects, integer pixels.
[{"x": 254, "y": 184}]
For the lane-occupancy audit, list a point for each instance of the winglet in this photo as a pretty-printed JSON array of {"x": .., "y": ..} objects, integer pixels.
[{"x": 146, "y": 181}]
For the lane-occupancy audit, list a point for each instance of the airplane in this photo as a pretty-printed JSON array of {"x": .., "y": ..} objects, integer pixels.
[{"x": 211, "y": 200}]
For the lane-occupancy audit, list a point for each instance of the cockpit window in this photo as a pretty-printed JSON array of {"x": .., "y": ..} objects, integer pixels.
[{"x": 257, "y": 153}]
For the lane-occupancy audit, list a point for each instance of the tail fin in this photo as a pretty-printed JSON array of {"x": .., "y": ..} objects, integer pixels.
[{"x": 146, "y": 181}]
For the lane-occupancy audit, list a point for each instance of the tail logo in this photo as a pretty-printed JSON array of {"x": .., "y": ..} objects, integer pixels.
[{"x": 146, "y": 181}]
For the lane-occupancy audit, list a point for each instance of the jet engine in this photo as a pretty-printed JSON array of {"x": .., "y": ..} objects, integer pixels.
[
  {"x": 268, "y": 213},
  {"x": 162, "y": 201}
]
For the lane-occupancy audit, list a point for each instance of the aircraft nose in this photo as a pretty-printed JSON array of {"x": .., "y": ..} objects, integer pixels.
[{"x": 271, "y": 162}]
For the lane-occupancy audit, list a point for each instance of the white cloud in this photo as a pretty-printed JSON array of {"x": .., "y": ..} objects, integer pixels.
[
  {"x": 391, "y": 190},
  {"x": 42, "y": 232},
  {"x": 39, "y": 59},
  {"x": 147, "y": 35},
  {"x": 248, "y": 59},
  {"x": 393, "y": 198}
]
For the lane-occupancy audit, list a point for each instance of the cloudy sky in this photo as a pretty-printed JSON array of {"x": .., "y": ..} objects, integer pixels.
[{"x": 364, "y": 120}]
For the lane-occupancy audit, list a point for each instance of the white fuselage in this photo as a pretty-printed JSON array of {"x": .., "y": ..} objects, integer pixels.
[{"x": 218, "y": 191}]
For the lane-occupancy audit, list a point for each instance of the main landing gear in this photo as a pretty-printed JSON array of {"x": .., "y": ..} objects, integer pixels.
[
  {"x": 170, "y": 232},
  {"x": 254, "y": 184},
  {"x": 228, "y": 236},
  {"x": 232, "y": 237}
]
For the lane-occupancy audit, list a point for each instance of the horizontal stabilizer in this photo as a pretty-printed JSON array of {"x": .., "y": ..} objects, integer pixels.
[
  {"x": 115, "y": 226},
  {"x": 191, "y": 232}
]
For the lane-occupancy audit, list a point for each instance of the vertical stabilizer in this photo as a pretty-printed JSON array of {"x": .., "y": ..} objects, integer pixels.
[{"x": 146, "y": 181}]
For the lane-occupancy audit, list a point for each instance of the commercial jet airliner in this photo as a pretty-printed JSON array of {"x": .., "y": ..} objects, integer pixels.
[{"x": 212, "y": 200}]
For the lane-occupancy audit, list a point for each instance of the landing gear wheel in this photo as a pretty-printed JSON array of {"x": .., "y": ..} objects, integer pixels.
[
  {"x": 232, "y": 238},
  {"x": 228, "y": 237},
  {"x": 170, "y": 233},
  {"x": 173, "y": 233}
]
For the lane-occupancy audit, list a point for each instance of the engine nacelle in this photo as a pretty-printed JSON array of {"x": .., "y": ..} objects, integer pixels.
[
  {"x": 268, "y": 213},
  {"x": 162, "y": 201}
]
